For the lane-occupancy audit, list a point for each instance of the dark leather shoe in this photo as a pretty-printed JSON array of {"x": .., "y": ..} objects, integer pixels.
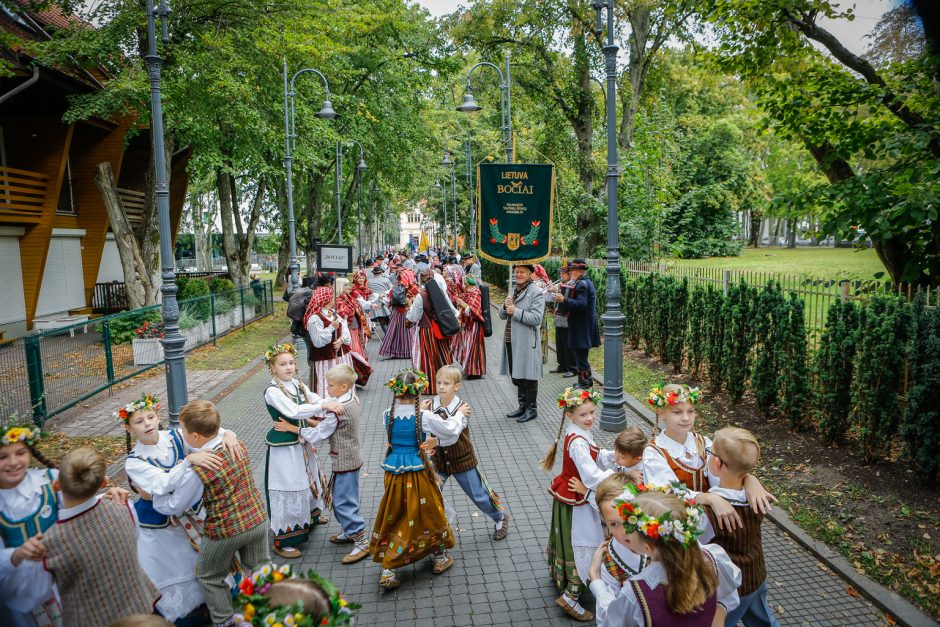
[
  {"x": 529, "y": 414},
  {"x": 517, "y": 413}
]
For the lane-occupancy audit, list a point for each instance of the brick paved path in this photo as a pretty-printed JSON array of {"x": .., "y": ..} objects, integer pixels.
[{"x": 504, "y": 582}]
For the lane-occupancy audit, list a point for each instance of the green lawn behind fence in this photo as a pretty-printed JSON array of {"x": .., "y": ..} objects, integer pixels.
[{"x": 828, "y": 263}]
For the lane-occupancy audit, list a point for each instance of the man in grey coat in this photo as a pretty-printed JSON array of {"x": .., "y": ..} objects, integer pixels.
[{"x": 522, "y": 349}]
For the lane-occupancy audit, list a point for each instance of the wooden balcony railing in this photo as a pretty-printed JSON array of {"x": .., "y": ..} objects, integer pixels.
[{"x": 22, "y": 194}]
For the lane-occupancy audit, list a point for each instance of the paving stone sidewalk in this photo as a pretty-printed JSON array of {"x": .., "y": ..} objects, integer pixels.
[{"x": 501, "y": 583}]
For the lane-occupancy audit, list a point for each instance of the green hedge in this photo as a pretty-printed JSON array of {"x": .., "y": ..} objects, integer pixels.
[{"x": 754, "y": 341}]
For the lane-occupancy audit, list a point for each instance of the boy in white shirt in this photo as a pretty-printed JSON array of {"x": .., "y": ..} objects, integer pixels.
[{"x": 445, "y": 417}]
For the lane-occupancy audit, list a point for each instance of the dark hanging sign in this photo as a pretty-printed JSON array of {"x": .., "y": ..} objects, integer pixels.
[{"x": 515, "y": 211}]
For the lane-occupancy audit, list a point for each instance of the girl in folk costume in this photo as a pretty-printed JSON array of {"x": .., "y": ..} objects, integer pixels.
[
  {"x": 350, "y": 309},
  {"x": 365, "y": 298},
  {"x": 429, "y": 351},
  {"x": 677, "y": 453},
  {"x": 294, "y": 481},
  {"x": 684, "y": 582},
  {"x": 410, "y": 523},
  {"x": 453, "y": 278},
  {"x": 576, "y": 529},
  {"x": 329, "y": 337},
  {"x": 28, "y": 507},
  {"x": 473, "y": 351},
  {"x": 169, "y": 525},
  {"x": 399, "y": 337},
  {"x": 274, "y": 595},
  {"x": 614, "y": 562}
]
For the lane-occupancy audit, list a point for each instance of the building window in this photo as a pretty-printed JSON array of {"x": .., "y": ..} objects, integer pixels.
[{"x": 66, "y": 201}]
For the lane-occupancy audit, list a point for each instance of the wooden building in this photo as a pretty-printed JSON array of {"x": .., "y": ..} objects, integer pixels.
[{"x": 55, "y": 242}]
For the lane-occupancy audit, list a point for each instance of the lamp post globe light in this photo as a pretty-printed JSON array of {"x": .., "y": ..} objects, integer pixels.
[
  {"x": 338, "y": 179},
  {"x": 613, "y": 413},
  {"x": 326, "y": 112},
  {"x": 173, "y": 341}
]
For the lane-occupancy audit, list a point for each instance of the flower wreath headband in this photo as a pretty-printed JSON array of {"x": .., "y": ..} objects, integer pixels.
[
  {"x": 400, "y": 388},
  {"x": 147, "y": 401},
  {"x": 574, "y": 397},
  {"x": 277, "y": 349},
  {"x": 658, "y": 398},
  {"x": 14, "y": 433},
  {"x": 664, "y": 528},
  {"x": 253, "y": 608}
]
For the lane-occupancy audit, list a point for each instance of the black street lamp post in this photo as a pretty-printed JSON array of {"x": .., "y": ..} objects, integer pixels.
[
  {"x": 290, "y": 142},
  {"x": 613, "y": 413},
  {"x": 360, "y": 168},
  {"x": 505, "y": 104},
  {"x": 173, "y": 341}
]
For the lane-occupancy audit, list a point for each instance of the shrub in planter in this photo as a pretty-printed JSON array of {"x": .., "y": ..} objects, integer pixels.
[
  {"x": 123, "y": 326},
  {"x": 190, "y": 294},
  {"x": 921, "y": 425},
  {"x": 834, "y": 366},
  {"x": 879, "y": 373},
  {"x": 226, "y": 295}
]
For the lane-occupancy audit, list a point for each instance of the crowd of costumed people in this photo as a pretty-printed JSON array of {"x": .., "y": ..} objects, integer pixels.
[{"x": 662, "y": 529}]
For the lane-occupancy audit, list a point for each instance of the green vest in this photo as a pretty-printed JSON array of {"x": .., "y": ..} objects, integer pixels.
[{"x": 284, "y": 438}]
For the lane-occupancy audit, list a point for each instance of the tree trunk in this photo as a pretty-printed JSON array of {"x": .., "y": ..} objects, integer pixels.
[
  {"x": 753, "y": 238},
  {"x": 791, "y": 233},
  {"x": 237, "y": 250},
  {"x": 636, "y": 71},
  {"x": 136, "y": 277}
]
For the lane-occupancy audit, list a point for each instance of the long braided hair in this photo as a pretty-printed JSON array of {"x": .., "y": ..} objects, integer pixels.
[
  {"x": 40, "y": 457},
  {"x": 549, "y": 460}
]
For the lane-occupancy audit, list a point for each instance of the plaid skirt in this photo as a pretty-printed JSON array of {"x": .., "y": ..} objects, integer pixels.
[
  {"x": 410, "y": 523},
  {"x": 561, "y": 554},
  {"x": 430, "y": 354}
]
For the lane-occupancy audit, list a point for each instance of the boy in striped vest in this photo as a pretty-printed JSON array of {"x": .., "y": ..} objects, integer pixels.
[
  {"x": 236, "y": 523},
  {"x": 92, "y": 550},
  {"x": 734, "y": 454},
  {"x": 445, "y": 417},
  {"x": 346, "y": 453}
]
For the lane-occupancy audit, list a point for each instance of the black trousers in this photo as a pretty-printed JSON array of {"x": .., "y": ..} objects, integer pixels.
[
  {"x": 580, "y": 358},
  {"x": 563, "y": 353}
]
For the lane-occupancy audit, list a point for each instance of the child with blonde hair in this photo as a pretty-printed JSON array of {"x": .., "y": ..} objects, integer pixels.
[
  {"x": 575, "y": 531},
  {"x": 678, "y": 453},
  {"x": 293, "y": 480},
  {"x": 683, "y": 582},
  {"x": 92, "y": 550},
  {"x": 410, "y": 523},
  {"x": 734, "y": 454},
  {"x": 275, "y": 595},
  {"x": 342, "y": 432},
  {"x": 445, "y": 417},
  {"x": 170, "y": 524}
]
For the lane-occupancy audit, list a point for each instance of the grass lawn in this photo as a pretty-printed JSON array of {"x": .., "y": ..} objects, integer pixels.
[
  {"x": 817, "y": 262},
  {"x": 236, "y": 349}
]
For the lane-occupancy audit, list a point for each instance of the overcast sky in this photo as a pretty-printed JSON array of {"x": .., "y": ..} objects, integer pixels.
[{"x": 852, "y": 34}]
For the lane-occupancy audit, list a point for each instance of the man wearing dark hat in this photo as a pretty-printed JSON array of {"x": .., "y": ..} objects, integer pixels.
[
  {"x": 580, "y": 303},
  {"x": 471, "y": 266},
  {"x": 522, "y": 349}
]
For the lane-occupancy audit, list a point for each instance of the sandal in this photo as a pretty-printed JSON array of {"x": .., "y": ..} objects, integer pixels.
[
  {"x": 583, "y": 617},
  {"x": 443, "y": 564},
  {"x": 389, "y": 580},
  {"x": 286, "y": 552}
]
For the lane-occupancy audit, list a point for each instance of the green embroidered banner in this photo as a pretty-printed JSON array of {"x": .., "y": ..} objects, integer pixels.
[{"x": 514, "y": 223}]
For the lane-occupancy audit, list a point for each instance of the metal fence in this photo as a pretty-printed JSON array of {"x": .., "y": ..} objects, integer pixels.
[{"x": 49, "y": 371}]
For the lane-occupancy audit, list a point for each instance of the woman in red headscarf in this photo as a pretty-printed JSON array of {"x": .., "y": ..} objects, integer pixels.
[
  {"x": 398, "y": 338},
  {"x": 329, "y": 338},
  {"x": 364, "y": 298},
  {"x": 350, "y": 310},
  {"x": 453, "y": 277},
  {"x": 473, "y": 346}
]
